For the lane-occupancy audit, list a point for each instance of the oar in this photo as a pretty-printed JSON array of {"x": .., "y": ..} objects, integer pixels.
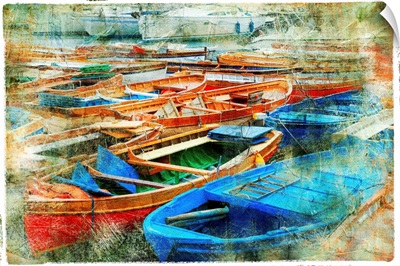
[
  {"x": 197, "y": 215},
  {"x": 97, "y": 174}
]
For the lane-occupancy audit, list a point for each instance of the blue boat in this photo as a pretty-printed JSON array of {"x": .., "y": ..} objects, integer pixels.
[
  {"x": 268, "y": 209},
  {"x": 308, "y": 125},
  {"x": 356, "y": 101}
]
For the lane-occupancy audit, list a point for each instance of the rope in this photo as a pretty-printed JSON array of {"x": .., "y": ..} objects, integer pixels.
[
  {"x": 304, "y": 92},
  {"x": 298, "y": 143},
  {"x": 92, "y": 212}
]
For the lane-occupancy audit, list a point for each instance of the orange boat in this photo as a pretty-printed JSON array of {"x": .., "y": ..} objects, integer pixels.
[
  {"x": 233, "y": 105},
  {"x": 59, "y": 214},
  {"x": 255, "y": 60}
]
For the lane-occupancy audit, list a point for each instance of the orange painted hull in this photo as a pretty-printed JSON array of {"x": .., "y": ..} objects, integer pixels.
[{"x": 53, "y": 223}]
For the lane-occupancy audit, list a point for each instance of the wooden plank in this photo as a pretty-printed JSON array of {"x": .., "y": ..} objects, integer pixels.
[
  {"x": 97, "y": 174},
  {"x": 117, "y": 134},
  {"x": 167, "y": 87},
  {"x": 125, "y": 133},
  {"x": 177, "y": 137},
  {"x": 119, "y": 124},
  {"x": 168, "y": 110},
  {"x": 201, "y": 109},
  {"x": 255, "y": 191},
  {"x": 157, "y": 153},
  {"x": 165, "y": 166}
]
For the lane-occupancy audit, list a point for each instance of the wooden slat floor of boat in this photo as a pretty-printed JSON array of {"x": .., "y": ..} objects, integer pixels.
[
  {"x": 173, "y": 148},
  {"x": 125, "y": 133},
  {"x": 259, "y": 190}
]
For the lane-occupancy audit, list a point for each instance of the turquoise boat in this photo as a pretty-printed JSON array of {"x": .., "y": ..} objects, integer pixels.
[{"x": 269, "y": 209}]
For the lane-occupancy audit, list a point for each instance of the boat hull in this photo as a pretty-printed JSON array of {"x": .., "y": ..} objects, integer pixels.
[
  {"x": 77, "y": 219},
  {"x": 309, "y": 124},
  {"x": 301, "y": 92},
  {"x": 313, "y": 201},
  {"x": 279, "y": 248},
  {"x": 309, "y": 137},
  {"x": 144, "y": 75},
  {"x": 48, "y": 232},
  {"x": 124, "y": 25}
]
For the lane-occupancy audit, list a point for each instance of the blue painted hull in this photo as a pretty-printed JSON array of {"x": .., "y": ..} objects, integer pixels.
[
  {"x": 270, "y": 208},
  {"x": 308, "y": 125},
  {"x": 312, "y": 131}
]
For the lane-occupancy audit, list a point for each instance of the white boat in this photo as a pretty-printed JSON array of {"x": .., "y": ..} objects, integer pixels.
[
  {"x": 116, "y": 20},
  {"x": 108, "y": 21},
  {"x": 200, "y": 22}
]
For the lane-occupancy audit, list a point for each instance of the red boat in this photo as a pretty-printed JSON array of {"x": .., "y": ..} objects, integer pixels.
[
  {"x": 60, "y": 214},
  {"x": 318, "y": 87}
]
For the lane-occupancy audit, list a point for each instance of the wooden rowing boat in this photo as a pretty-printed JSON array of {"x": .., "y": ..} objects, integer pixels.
[
  {"x": 266, "y": 213},
  {"x": 26, "y": 55},
  {"x": 313, "y": 87},
  {"x": 226, "y": 105},
  {"x": 54, "y": 218},
  {"x": 254, "y": 60},
  {"x": 169, "y": 54},
  {"x": 28, "y": 91},
  {"x": 42, "y": 153},
  {"x": 308, "y": 61},
  {"x": 67, "y": 60},
  {"x": 307, "y": 126},
  {"x": 83, "y": 97}
]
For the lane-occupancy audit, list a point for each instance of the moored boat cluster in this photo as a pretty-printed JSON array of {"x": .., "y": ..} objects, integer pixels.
[{"x": 217, "y": 155}]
